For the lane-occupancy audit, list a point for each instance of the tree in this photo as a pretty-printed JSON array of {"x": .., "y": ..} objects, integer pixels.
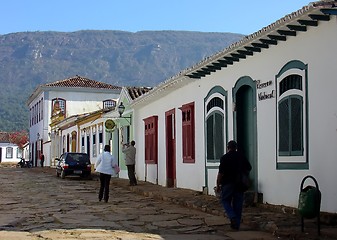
[{"x": 19, "y": 138}]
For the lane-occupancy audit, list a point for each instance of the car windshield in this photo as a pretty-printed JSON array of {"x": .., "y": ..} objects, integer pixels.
[{"x": 77, "y": 157}]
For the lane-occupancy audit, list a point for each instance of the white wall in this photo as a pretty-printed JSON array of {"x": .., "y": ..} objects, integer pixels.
[
  {"x": 81, "y": 102},
  {"x": 315, "y": 47},
  {"x": 14, "y": 158},
  {"x": 189, "y": 175},
  {"x": 78, "y": 101}
]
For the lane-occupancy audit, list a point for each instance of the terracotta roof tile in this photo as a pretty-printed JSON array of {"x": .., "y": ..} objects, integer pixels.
[
  {"x": 4, "y": 137},
  {"x": 136, "y": 92},
  {"x": 81, "y": 82}
]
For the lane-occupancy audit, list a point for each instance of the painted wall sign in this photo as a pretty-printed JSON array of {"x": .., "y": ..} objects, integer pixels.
[
  {"x": 265, "y": 95},
  {"x": 260, "y": 85}
]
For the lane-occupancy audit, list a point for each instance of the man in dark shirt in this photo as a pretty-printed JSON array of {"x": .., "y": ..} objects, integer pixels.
[{"x": 232, "y": 164}]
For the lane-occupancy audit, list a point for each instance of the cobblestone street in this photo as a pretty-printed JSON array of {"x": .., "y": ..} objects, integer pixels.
[{"x": 35, "y": 204}]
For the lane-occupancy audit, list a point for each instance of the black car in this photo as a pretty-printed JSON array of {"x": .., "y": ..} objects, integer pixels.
[{"x": 72, "y": 163}]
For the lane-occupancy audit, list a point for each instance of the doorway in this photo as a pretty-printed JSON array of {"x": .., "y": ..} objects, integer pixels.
[
  {"x": 245, "y": 123},
  {"x": 170, "y": 148}
]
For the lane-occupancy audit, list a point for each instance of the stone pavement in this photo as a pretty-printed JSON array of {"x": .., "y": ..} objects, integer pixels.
[
  {"x": 36, "y": 205},
  {"x": 262, "y": 222},
  {"x": 280, "y": 221}
]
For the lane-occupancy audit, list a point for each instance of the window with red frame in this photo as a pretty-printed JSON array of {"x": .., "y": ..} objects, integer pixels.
[
  {"x": 188, "y": 132},
  {"x": 58, "y": 106},
  {"x": 151, "y": 140}
]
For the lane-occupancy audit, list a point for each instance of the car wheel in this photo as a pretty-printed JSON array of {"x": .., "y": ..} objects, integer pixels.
[{"x": 63, "y": 174}]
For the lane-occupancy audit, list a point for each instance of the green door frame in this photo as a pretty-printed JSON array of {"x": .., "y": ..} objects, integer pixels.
[{"x": 245, "y": 122}]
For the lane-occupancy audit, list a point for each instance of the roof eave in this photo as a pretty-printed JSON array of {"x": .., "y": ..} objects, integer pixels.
[
  {"x": 163, "y": 89},
  {"x": 280, "y": 30}
]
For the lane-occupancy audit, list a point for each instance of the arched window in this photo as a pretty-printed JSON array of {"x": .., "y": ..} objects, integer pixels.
[
  {"x": 215, "y": 136},
  {"x": 291, "y": 116},
  {"x": 291, "y": 126},
  {"x": 215, "y": 124}
]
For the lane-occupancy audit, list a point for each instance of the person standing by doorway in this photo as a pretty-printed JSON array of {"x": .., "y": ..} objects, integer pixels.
[
  {"x": 232, "y": 165},
  {"x": 130, "y": 161},
  {"x": 106, "y": 166}
]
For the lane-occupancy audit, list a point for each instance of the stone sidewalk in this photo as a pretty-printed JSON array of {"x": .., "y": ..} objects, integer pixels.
[{"x": 282, "y": 222}]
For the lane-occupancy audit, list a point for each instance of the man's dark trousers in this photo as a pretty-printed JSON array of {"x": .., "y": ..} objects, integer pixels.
[{"x": 131, "y": 174}]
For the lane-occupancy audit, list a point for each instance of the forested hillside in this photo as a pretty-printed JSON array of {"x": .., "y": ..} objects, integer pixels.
[{"x": 28, "y": 59}]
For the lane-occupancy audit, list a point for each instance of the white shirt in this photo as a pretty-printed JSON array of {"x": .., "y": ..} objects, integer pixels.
[{"x": 105, "y": 164}]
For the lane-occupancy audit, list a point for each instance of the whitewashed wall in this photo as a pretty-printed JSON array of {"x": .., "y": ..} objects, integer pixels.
[
  {"x": 77, "y": 101},
  {"x": 81, "y": 102},
  {"x": 14, "y": 158},
  {"x": 315, "y": 47},
  {"x": 188, "y": 175}
]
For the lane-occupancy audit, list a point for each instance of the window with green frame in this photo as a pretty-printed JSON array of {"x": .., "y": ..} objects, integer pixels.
[
  {"x": 290, "y": 113},
  {"x": 291, "y": 126},
  {"x": 215, "y": 129},
  {"x": 215, "y": 136}
]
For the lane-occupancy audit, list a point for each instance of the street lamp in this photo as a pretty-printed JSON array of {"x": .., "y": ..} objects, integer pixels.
[{"x": 121, "y": 109}]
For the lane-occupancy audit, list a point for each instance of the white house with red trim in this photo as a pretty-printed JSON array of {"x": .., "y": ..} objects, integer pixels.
[{"x": 273, "y": 92}]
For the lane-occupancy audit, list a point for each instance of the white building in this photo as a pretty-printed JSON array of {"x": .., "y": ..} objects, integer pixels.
[
  {"x": 89, "y": 132},
  {"x": 9, "y": 152},
  {"x": 273, "y": 92},
  {"x": 51, "y": 103}
]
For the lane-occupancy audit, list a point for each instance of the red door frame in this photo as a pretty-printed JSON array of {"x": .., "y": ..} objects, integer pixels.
[{"x": 170, "y": 123}]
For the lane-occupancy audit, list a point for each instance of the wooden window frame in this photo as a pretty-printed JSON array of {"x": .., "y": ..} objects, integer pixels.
[
  {"x": 109, "y": 103},
  {"x": 188, "y": 132},
  {"x": 62, "y": 104},
  {"x": 151, "y": 139},
  {"x": 9, "y": 152}
]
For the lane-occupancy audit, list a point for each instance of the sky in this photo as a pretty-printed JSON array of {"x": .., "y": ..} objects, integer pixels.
[{"x": 234, "y": 16}]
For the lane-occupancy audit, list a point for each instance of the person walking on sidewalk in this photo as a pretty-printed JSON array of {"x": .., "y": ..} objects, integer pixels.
[
  {"x": 130, "y": 161},
  {"x": 232, "y": 164},
  {"x": 106, "y": 166}
]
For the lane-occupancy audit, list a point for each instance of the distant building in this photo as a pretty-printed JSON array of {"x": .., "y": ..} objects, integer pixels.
[
  {"x": 51, "y": 103},
  {"x": 9, "y": 152}
]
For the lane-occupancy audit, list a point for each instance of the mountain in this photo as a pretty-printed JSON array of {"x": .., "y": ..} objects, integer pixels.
[{"x": 146, "y": 58}]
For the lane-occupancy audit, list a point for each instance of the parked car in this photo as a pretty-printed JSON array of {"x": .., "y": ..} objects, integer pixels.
[{"x": 72, "y": 163}]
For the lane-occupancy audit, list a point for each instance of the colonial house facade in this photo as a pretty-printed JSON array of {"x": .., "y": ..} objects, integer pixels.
[
  {"x": 272, "y": 92},
  {"x": 89, "y": 132},
  {"x": 51, "y": 103},
  {"x": 124, "y": 126},
  {"x": 9, "y": 152}
]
